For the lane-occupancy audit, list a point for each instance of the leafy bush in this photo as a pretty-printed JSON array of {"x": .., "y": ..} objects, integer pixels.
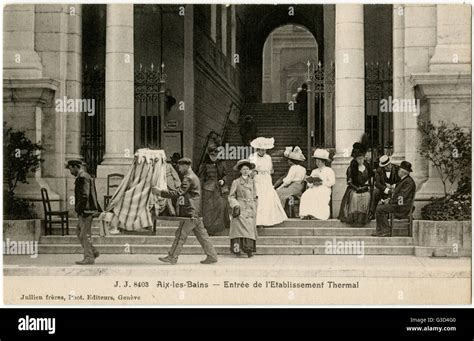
[
  {"x": 16, "y": 208},
  {"x": 20, "y": 158},
  {"x": 448, "y": 147}
]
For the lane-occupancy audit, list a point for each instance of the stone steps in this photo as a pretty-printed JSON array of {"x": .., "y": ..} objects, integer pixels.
[
  {"x": 292, "y": 237},
  {"x": 291, "y": 223},
  {"x": 221, "y": 249},
  {"x": 282, "y": 232},
  {"x": 223, "y": 240}
]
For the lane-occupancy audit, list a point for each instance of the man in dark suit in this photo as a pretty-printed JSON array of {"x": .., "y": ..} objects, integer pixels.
[
  {"x": 400, "y": 203},
  {"x": 302, "y": 104},
  {"x": 386, "y": 178},
  {"x": 86, "y": 205},
  {"x": 188, "y": 197}
]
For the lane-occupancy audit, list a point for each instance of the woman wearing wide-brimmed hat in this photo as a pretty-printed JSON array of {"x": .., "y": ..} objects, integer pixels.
[
  {"x": 214, "y": 186},
  {"x": 243, "y": 205},
  {"x": 270, "y": 211},
  {"x": 315, "y": 200},
  {"x": 293, "y": 183},
  {"x": 355, "y": 204}
]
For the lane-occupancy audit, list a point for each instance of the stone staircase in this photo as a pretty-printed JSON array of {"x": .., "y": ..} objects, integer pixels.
[
  {"x": 273, "y": 120},
  {"x": 292, "y": 237}
]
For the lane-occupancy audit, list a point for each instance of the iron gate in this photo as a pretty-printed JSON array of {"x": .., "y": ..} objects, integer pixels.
[
  {"x": 149, "y": 106},
  {"x": 93, "y": 132},
  {"x": 378, "y": 124},
  {"x": 321, "y": 97}
]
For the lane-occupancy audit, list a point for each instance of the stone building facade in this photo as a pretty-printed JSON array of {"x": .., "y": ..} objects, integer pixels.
[{"x": 212, "y": 56}]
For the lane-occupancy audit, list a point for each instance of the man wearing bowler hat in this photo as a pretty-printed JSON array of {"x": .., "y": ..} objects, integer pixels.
[
  {"x": 400, "y": 202},
  {"x": 86, "y": 205},
  {"x": 188, "y": 197}
]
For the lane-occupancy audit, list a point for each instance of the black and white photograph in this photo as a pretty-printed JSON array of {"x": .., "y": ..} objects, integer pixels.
[{"x": 237, "y": 154}]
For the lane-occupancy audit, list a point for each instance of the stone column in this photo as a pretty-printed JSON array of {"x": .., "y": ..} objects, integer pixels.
[
  {"x": 74, "y": 82},
  {"x": 20, "y": 60},
  {"x": 189, "y": 128},
  {"x": 224, "y": 29},
  {"x": 398, "y": 25},
  {"x": 350, "y": 90},
  {"x": 119, "y": 90},
  {"x": 233, "y": 27},
  {"x": 420, "y": 41},
  {"x": 445, "y": 83},
  {"x": 453, "y": 45},
  {"x": 26, "y": 92},
  {"x": 213, "y": 22}
]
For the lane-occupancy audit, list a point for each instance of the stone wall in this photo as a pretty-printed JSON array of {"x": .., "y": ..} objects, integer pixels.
[{"x": 216, "y": 84}]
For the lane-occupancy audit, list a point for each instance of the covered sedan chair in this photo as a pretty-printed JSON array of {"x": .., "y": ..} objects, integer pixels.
[{"x": 132, "y": 206}]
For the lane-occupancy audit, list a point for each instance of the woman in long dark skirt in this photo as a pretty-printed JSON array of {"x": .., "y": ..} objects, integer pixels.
[
  {"x": 215, "y": 209},
  {"x": 243, "y": 203},
  {"x": 355, "y": 205}
]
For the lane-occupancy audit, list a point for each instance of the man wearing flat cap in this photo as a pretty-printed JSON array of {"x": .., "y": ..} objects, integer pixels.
[
  {"x": 188, "y": 196},
  {"x": 400, "y": 203},
  {"x": 86, "y": 205}
]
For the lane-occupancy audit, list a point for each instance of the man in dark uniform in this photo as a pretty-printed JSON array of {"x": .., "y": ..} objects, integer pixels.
[
  {"x": 400, "y": 203},
  {"x": 386, "y": 178},
  {"x": 86, "y": 205},
  {"x": 188, "y": 197}
]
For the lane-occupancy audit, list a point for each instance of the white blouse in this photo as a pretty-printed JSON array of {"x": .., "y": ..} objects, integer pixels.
[
  {"x": 326, "y": 174},
  {"x": 295, "y": 174},
  {"x": 263, "y": 164}
]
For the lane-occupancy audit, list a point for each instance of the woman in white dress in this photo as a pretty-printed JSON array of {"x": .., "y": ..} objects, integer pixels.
[
  {"x": 315, "y": 200},
  {"x": 269, "y": 211}
]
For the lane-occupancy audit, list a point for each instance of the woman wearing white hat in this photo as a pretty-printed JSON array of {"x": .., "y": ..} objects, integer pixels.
[
  {"x": 293, "y": 183},
  {"x": 269, "y": 211},
  {"x": 315, "y": 200}
]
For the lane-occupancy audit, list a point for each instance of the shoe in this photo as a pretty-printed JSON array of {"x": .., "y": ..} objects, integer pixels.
[
  {"x": 168, "y": 260},
  {"x": 376, "y": 234},
  {"x": 96, "y": 254},
  {"x": 209, "y": 260},
  {"x": 85, "y": 262},
  {"x": 249, "y": 254},
  {"x": 386, "y": 234}
]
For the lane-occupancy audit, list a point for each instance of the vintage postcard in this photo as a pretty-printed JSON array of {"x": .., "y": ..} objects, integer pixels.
[{"x": 226, "y": 153}]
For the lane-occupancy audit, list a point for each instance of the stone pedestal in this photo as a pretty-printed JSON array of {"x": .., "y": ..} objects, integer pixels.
[
  {"x": 22, "y": 104},
  {"x": 442, "y": 238},
  {"x": 449, "y": 99}
]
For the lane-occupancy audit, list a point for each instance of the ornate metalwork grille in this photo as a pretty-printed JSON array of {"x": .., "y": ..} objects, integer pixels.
[
  {"x": 378, "y": 124},
  {"x": 323, "y": 103},
  {"x": 149, "y": 106},
  {"x": 93, "y": 132}
]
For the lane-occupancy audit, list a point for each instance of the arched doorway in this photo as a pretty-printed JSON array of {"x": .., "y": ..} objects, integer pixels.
[
  {"x": 286, "y": 51},
  {"x": 258, "y": 22}
]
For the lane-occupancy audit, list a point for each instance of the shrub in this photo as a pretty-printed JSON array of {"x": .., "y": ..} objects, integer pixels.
[
  {"x": 448, "y": 147},
  {"x": 20, "y": 158}
]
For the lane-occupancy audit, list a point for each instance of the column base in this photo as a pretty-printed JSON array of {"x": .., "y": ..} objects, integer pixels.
[
  {"x": 339, "y": 166},
  {"x": 114, "y": 165}
]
